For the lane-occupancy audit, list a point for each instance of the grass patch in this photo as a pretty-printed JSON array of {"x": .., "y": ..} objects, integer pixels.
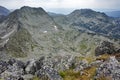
[
  {"x": 69, "y": 75},
  {"x": 17, "y": 46},
  {"x": 35, "y": 78},
  {"x": 87, "y": 74},
  {"x": 103, "y": 57}
]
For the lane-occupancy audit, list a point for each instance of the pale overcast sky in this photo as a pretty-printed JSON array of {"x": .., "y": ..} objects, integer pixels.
[{"x": 66, "y": 4}]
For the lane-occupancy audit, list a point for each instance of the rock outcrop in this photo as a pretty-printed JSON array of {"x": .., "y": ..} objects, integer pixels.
[
  {"x": 110, "y": 69},
  {"x": 48, "y": 73},
  {"x": 17, "y": 70}
]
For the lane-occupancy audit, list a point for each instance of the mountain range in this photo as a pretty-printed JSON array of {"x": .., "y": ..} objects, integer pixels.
[
  {"x": 31, "y": 32},
  {"x": 115, "y": 14},
  {"x": 94, "y": 21},
  {"x": 39, "y": 45}
]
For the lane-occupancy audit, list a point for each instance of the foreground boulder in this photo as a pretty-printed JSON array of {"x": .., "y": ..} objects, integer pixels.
[
  {"x": 47, "y": 73},
  {"x": 33, "y": 65},
  {"x": 13, "y": 72},
  {"x": 110, "y": 70}
]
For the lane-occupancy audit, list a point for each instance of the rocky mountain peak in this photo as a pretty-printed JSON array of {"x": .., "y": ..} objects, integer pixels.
[
  {"x": 28, "y": 9},
  {"x": 89, "y": 13},
  {"x": 83, "y": 11},
  {"x": 26, "y": 26}
]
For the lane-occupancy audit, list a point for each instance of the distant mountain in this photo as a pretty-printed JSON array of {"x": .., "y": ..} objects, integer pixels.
[
  {"x": 4, "y": 11},
  {"x": 53, "y": 14},
  {"x": 2, "y": 18},
  {"x": 113, "y": 13},
  {"x": 87, "y": 19}
]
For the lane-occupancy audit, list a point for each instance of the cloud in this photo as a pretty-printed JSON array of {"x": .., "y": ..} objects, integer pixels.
[{"x": 98, "y": 4}]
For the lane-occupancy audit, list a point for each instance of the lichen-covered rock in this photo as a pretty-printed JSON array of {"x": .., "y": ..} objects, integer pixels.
[
  {"x": 28, "y": 77},
  {"x": 34, "y": 65},
  {"x": 48, "y": 73},
  {"x": 110, "y": 68},
  {"x": 30, "y": 67},
  {"x": 14, "y": 72},
  {"x": 81, "y": 65}
]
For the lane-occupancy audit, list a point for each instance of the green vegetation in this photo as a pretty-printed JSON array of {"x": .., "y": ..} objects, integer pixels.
[
  {"x": 35, "y": 78},
  {"x": 83, "y": 46},
  {"x": 18, "y": 45},
  {"x": 69, "y": 75},
  {"x": 87, "y": 74}
]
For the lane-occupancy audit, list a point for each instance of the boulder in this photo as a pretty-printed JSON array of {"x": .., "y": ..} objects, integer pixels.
[
  {"x": 48, "y": 73},
  {"x": 34, "y": 65},
  {"x": 81, "y": 65},
  {"x": 14, "y": 72},
  {"x": 30, "y": 67}
]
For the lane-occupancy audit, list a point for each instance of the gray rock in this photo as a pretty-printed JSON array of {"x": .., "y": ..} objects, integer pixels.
[
  {"x": 14, "y": 72},
  {"x": 81, "y": 65},
  {"x": 47, "y": 73},
  {"x": 110, "y": 68},
  {"x": 34, "y": 65},
  {"x": 30, "y": 68},
  {"x": 11, "y": 61},
  {"x": 3, "y": 66},
  {"x": 28, "y": 76}
]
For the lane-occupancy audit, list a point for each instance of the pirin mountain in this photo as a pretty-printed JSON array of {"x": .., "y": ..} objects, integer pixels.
[
  {"x": 30, "y": 32},
  {"x": 36, "y": 45}
]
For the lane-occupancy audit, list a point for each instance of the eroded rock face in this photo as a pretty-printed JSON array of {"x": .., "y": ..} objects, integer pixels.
[{"x": 110, "y": 69}]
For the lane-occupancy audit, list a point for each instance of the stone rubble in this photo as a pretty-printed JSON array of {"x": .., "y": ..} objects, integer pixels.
[{"x": 47, "y": 68}]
